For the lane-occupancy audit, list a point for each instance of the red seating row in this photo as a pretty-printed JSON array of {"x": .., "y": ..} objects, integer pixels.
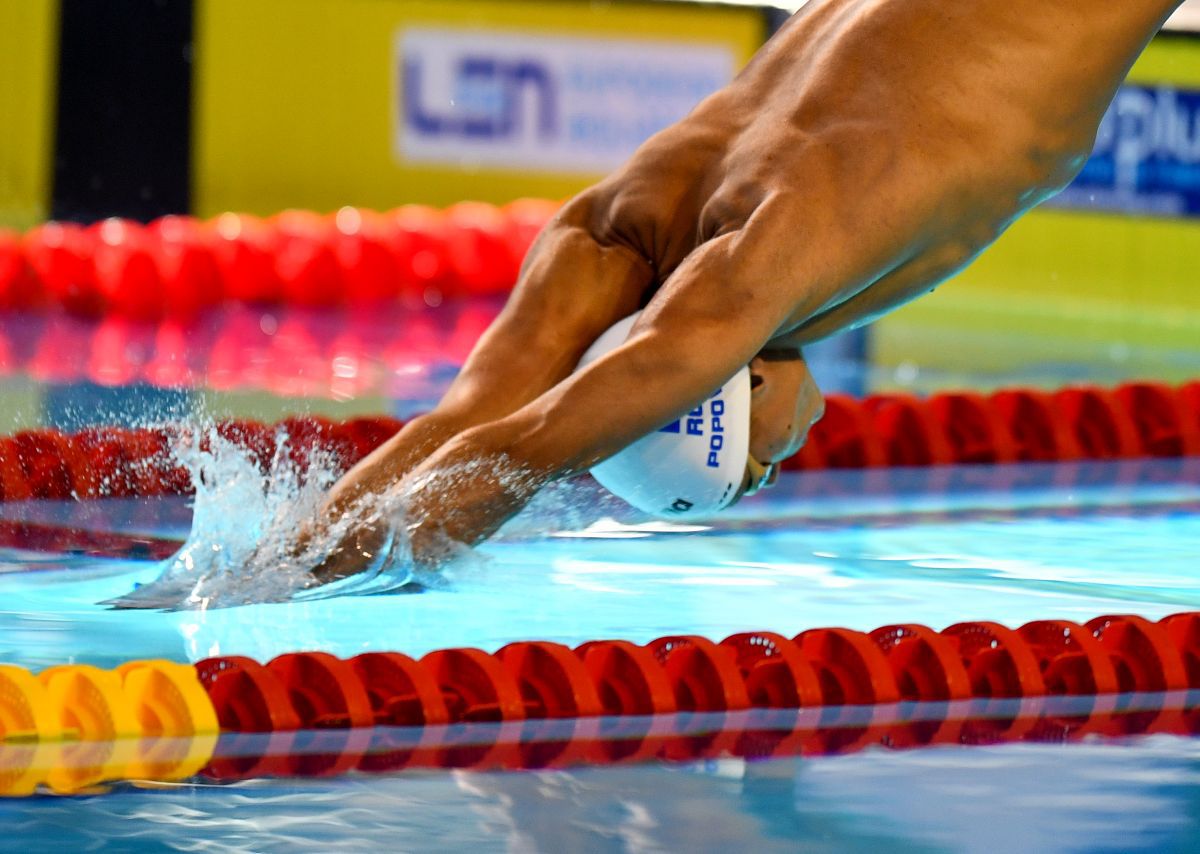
[
  {"x": 1015, "y": 425},
  {"x": 177, "y": 266},
  {"x": 550, "y": 692}
]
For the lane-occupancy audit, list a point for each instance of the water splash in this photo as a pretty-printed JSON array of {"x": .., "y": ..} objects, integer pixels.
[{"x": 243, "y": 545}]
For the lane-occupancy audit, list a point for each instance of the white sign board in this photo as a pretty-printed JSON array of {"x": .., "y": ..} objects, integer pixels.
[{"x": 551, "y": 103}]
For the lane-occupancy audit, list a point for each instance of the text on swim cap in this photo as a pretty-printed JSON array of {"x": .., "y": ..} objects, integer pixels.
[
  {"x": 716, "y": 439},
  {"x": 693, "y": 425}
]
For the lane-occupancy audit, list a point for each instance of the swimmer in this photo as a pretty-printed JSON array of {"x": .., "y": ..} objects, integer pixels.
[{"x": 870, "y": 150}]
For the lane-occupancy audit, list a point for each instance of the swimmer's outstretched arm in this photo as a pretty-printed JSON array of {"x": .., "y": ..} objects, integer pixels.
[{"x": 709, "y": 320}]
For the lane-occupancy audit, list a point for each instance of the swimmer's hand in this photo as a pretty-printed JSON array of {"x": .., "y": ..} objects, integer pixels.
[
  {"x": 459, "y": 496},
  {"x": 359, "y": 514}
]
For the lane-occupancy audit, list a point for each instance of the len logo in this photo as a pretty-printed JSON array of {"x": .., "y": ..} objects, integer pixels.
[{"x": 489, "y": 101}]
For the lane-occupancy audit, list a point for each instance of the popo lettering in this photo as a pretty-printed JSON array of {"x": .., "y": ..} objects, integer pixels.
[{"x": 716, "y": 436}]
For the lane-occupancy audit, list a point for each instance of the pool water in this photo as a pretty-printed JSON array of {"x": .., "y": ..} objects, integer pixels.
[
  {"x": 855, "y": 549},
  {"x": 1137, "y": 796}
]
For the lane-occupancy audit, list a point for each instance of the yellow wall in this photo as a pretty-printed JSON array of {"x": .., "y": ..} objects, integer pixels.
[
  {"x": 293, "y": 98},
  {"x": 28, "y": 46},
  {"x": 1069, "y": 286}
]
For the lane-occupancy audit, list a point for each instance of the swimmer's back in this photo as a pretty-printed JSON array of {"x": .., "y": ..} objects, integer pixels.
[{"x": 996, "y": 102}]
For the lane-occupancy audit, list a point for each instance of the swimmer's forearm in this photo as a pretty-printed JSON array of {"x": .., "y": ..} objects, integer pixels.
[
  {"x": 485, "y": 475},
  {"x": 466, "y": 491},
  {"x": 694, "y": 335},
  {"x": 387, "y": 465},
  {"x": 560, "y": 305}
]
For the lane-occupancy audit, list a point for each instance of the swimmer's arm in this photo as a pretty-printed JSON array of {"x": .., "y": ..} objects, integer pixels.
[
  {"x": 571, "y": 288},
  {"x": 710, "y": 319}
]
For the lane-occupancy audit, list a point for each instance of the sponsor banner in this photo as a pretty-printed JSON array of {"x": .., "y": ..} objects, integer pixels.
[
  {"x": 558, "y": 103},
  {"x": 381, "y": 102},
  {"x": 1147, "y": 155}
]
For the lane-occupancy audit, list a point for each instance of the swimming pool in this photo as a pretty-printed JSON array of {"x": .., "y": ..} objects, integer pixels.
[{"x": 854, "y": 548}]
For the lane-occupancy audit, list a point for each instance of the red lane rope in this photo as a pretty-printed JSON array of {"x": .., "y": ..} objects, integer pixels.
[
  {"x": 1140, "y": 419},
  {"x": 687, "y": 673},
  {"x": 59, "y": 539},
  {"x": 753, "y": 734},
  {"x": 119, "y": 462},
  {"x": 178, "y": 266},
  {"x": 754, "y": 694},
  {"x": 1025, "y": 425}
]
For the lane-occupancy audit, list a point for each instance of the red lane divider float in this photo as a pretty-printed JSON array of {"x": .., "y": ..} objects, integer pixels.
[
  {"x": 120, "y": 462},
  {"x": 819, "y": 667},
  {"x": 178, "y": 266},
  {"x": 752, "y": 734},
  {"x": 1013, "y": 425},
  {"x": 1133, "y": 420},
  {"x": 35, "y": 537},
  {"x": 752, "y": 694},
  {"x": 538, "y": 704}
]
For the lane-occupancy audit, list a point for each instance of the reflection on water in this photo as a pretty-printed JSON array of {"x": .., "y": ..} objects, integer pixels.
[
  {"x": 1142, "y": 795},
  {"x": 403, "y": 351}
]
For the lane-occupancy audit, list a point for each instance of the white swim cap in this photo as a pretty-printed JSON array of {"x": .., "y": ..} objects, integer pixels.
[{"x": 693, "y": 467}]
